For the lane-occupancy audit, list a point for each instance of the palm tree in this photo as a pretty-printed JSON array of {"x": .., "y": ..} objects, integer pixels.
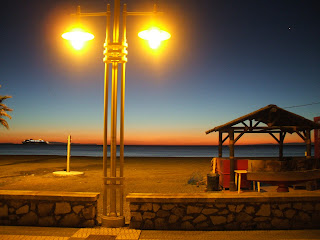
[{"x": 3, "y": 111}]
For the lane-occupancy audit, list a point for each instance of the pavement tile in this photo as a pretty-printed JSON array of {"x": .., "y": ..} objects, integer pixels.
[
  {"x": 24, "y": 237},
  {"x": 234, "y": 235},
  {"x": 121, "y": 233},
  {"x": 101, "y": 237},
  {"x": 37, "y": 231}
]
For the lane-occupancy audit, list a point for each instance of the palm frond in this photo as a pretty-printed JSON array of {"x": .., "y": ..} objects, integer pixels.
[
  {"x": 4, "y": 123},
  {"x": 2, "y": 98},
  {"x": 4, "y": 114},
  {"x": 4, "y": 107}
]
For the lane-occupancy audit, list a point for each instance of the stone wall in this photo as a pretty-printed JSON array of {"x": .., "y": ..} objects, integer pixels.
[
  {"x": 53, "y": 209},
  {"x": 212, "y": 211}
]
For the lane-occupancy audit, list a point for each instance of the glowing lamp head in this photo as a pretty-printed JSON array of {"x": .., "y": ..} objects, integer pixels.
[
  {"x": 77, "y": 37},
  {"x": 154, "y": 36}
]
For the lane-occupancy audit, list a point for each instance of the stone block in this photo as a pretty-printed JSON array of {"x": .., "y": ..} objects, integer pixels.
[
  {"x": 264, "y": 210},
  {"x": 249, "y": 209},
  {"x": 148, "y": 215},
  {"x": 232, "y": 226},
  {"x": 135, "y": 225},
  {"x": 243, "y": 217},
  {"x": 216, "y": 220},
  {"x": 22, "y": 210},
  {"x": 193, "y": 209},
  {"x": 33, "y": 206},
  {"x": 62, "y": 208},
  {"x": 4, "y": 211},
  {"x": 304, "y": 217},
  {"x": 279, "y": 223},
  {"x": 230, "y": 218},
  {"x": 77, "y": 208},
  {"x": 160, "y": 223},
  {"x": 136, "y": 216},
  {"x": 29, "y": 219},
  {"x": 187, "y": 218},
  {"x": 173, "y": 218},
  {"x": 134, "y": 207},
  {"x": 200, "y": 218},
  {"x": 167, "y": 206},
  {"x": 307, "y": 207},
  {"x": 297, "y": 206},
  {"x": 220, "y": 205},
  {"x": 88, "y": 223},
  {"x": 178, "y": 211},
  {"x": 290, "y": 213},
  {"x": 44, "y": 209},
  {"x": 202, "y": 226},
  {"x": 89, "y": 212},
  {"x": 264, "y": 225},
  {"x": 239, "y": 208},
  {"x": 48, "y": 221},
  {"x": 155, "y": 207},
  {"x": 70, "y": 220},
  {"x": 277, "y": 213},
  {"x": 284, "y": 206},
  {"x": 17, "y": 203},
  {"x": 187, "y": 226},
  {"x": 261, "y": 219},
  {"x": 244, "y": 226},
  {"x": 163, "y": 214},
  {"x": 13, "y": 218},
  {"x": 209, "y": 211},
  {"x": 232, "y": 208},
  {"x": 148, "y": 224},
  {"x": 223, "y": 212},
  {"x": 146, "y": 207}
]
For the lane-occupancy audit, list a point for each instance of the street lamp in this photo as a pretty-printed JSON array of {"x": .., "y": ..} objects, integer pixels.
[{"x": 115, "y": 53}]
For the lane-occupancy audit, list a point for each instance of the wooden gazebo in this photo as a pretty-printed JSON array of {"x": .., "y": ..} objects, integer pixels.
[{"x": 272, "y": 120}]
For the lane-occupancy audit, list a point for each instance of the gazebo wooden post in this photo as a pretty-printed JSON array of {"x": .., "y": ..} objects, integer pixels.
[
  {"x": 232, "y": 186},
  {"x": 308, "y": 144},
  {"x": 220, "y": 144},
  {"x": 281, "y": 139}
]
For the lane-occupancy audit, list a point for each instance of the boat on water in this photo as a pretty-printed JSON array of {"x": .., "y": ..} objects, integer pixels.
[{"x": 33, "y": 141}]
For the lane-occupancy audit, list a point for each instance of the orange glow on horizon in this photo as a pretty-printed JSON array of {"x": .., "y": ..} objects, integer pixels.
[{"x": 147, "y": 138}]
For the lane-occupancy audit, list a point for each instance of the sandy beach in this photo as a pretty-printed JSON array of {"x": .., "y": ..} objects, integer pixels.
[{"x": 153, "y": 175}]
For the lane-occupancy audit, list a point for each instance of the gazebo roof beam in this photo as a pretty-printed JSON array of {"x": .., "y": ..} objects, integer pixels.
[
  {"x": 272, "y": 116},
  {"x": 262, "y": 131}
]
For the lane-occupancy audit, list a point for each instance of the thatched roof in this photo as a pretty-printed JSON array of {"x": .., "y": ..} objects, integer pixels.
[{"x": 275, "y": 118}]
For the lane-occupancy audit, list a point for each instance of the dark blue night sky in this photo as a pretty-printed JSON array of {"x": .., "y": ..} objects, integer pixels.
[{"x": 224, "y": 59}]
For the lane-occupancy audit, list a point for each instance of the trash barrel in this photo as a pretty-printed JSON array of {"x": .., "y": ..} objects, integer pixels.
[{"x": 212, "y": 182}]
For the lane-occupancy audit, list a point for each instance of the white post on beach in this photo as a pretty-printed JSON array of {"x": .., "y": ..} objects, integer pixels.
[{"x": 68, "y": 153}]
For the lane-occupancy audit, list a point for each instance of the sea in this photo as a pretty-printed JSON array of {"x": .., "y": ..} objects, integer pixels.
[{"x": 291, "y": 150}]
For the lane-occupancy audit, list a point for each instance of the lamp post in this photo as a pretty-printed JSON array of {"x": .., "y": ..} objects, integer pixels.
[{"x": 115, "y": 56}]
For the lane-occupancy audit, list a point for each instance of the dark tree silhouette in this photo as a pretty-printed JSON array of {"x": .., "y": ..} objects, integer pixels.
[{"x": 3, "y": 111}]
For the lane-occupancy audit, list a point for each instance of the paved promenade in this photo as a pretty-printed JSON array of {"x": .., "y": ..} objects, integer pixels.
[{"x": 100, "y": 233}]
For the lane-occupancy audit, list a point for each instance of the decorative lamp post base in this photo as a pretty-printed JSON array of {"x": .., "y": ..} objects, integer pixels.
[
  {"x": 65, "y": 173},
  {"x": 112, "y": 222}
]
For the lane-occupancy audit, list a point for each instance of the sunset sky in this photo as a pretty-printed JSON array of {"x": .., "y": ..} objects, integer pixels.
[{"x": 225, "y": 59}]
